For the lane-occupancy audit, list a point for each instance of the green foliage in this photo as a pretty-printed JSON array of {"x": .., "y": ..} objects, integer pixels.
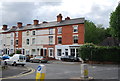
[
  {"x": 99, "y": 53},
  {"x": 115, "y": 22},
  {"x": 95, "y": 34},
  {"x": 18, "y": 52}
]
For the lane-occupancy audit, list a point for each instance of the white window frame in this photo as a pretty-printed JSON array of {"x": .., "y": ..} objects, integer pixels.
[
  {"x": 74, "y": 39},
  {"x": 75, "y": 27},
  {"x": 50, "y": 39},
  {"x": 50, "y": 52},
  {"x": 27, "y": 41},
  {"x": 33, "y": 41},
  {"x": 27, "y": 33},
  {"x": 59, "y": 30},
  {"x": 34, "y": 33},
  {"x": 50, "y": 31},
  {"x": 58, "y": 54},
  {"x": 61, "y": 39},
  {"x": 16, "y": 42}
]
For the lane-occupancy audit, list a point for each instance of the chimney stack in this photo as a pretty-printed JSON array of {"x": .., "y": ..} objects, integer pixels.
[
  {"x": 36, "y": 22},
  {"x": 19, "y": 24},
  {"x": 67, "y": 18},
  {"x": 59, "y": 18},
  {"x": 4, "y": 27}
]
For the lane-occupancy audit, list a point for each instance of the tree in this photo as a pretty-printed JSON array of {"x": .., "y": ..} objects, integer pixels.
[
  {"x": 115, "y": 22},
  {"x": 94, "y": 34}
]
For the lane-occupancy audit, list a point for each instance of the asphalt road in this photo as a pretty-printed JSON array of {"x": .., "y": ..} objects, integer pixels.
[{"x": 67, "y": 71}]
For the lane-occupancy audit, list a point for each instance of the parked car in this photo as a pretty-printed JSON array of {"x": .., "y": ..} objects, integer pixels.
[
  {"x": 39, "y": 59},
  {"x": 70, "y": 58},
  {"x": 17, "y": 59},
  {"x": 5, "y": 56}
]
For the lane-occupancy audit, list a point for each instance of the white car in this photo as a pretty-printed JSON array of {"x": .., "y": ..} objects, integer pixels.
[{"x": 17, "y": 59}]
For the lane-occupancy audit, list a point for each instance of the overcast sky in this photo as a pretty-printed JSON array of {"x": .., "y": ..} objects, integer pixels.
[{"x": 97, "y": 11}]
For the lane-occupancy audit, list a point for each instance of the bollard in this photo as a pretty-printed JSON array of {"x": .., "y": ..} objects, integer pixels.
[
  {"x": 84, "y": 71},
  {"x": 41, "y": 72}
]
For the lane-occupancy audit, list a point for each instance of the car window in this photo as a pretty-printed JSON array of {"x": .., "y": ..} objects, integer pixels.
[{"x": 22, "y": 57}]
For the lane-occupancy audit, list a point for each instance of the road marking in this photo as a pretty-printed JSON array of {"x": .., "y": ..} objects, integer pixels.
[{"x": 20, "y": 75}]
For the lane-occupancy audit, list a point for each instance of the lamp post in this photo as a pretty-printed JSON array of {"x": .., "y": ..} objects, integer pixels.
[{"x": 91, "y": 54}]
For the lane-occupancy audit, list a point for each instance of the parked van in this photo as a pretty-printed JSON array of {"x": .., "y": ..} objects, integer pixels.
[{"x": 17, "y": 59}]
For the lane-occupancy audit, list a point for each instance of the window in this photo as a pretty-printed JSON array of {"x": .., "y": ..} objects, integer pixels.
[
  {"x": 27, "y": 41},
  {"x": 50, "y": 39},
  {"x": 27, "y": 52},
  {"x": 66, "y": 52},
  {"x": 59, "y": 40},
  {"x": 16, "y": 34},
  {"x": 75, "y": 39},
  {"x": 72, "y": 52},
  {"x": 33, "y": 32},
  {"x": 33, "y": 40},
  {"x": 51, "y": 31},
  {"x": 59, "y": 51},
  {"x": 27, "y": 33},
  {"x": 75, "y": 29},
  {"x": 50, "y": 52},
  {"x": 60, "y": 30},
  {"x": 16, "y": 42},
  {"x": 11, "y": 42}
]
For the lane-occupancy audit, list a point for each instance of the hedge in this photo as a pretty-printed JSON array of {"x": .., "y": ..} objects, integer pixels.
[{"x": 92, "y": 52}]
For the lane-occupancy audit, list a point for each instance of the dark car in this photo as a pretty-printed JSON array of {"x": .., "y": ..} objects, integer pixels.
[
  {"x": 70, "y": 58},
  {"x": 39, "y": 59}
]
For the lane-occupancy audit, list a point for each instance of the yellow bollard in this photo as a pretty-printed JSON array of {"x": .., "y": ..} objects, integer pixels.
[
  {"x": 41, "y": 72},
  {"x": 84, "y": 70}
]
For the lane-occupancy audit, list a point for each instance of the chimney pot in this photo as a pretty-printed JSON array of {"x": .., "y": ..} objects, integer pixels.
[
  {"x": 4, "y": 27},
  {"x": 67, "y": 18},
  {"x": 59, "y": 18},
  {"x": 36, "y": 22}
]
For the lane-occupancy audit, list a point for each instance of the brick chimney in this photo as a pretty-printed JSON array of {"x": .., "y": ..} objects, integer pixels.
[
  {"x": 67, "y": 18},
  {"x": 4, "y": 27},
  {"x": 59, "y": 18},
  {"x": 36, "y": 22},
  {"x": 19, "y": 24}
]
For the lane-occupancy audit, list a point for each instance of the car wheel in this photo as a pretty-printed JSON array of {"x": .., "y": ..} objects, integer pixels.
[
  {"x": 22, "y": 64},
  {"x": 14, "y": 64},
  {"x": 31, "y": 61},
  {"x": 5, "y": 63}
]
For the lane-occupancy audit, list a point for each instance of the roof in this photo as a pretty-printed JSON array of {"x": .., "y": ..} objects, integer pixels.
[{"x": 50, "y": 24}]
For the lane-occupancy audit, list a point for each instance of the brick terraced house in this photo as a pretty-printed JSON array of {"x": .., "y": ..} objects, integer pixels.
[{"x": 50, "y": 39}]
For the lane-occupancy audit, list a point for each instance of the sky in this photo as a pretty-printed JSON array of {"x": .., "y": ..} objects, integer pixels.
[{"x": 97, "y": 11}]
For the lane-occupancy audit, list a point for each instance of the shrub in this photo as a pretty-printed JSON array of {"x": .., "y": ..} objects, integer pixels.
[{"x": 92, "y": 52}]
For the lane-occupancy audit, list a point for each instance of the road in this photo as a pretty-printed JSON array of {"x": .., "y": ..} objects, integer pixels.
[{"x": 68, "y": 71}]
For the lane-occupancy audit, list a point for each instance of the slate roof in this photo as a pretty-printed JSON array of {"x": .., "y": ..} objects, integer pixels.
[{"x": 50, "y": 24}]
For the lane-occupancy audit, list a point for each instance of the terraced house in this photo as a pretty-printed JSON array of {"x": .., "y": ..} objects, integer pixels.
[{"x": 50, "y": 39}]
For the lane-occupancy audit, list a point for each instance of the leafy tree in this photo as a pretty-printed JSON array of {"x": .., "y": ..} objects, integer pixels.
[
  {"x": 94, "y": 34},
  {"x": 115, "y": 22}
]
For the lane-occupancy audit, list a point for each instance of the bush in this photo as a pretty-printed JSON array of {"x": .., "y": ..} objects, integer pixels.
[{"x": 92, "y": 52}]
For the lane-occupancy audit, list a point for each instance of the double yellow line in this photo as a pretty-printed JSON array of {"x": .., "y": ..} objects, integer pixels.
[{"x": 20, "y": 75}]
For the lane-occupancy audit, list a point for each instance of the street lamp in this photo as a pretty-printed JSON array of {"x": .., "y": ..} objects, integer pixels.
[{"x": 91, "y": 54}]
